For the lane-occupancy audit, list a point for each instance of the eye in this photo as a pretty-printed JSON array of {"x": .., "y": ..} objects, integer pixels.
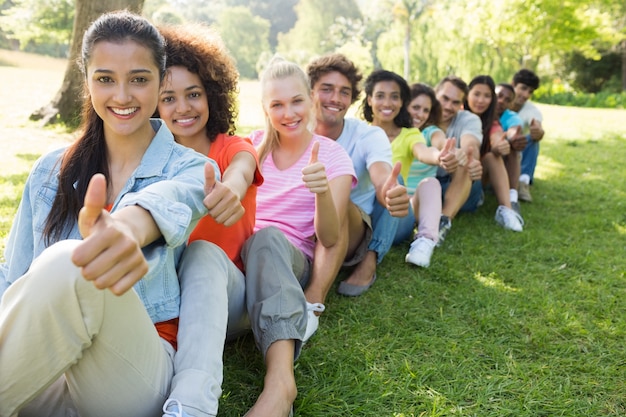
[
  {"x": 167, "y": 99},
  {"x": 104, "y": 79},
  {"x": 139, "y": 80},
  {"x": 195, "y": 94}
]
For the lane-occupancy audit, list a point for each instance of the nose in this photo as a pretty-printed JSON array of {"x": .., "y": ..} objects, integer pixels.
[
  {"x": 122, "y": 94},
  {"x": 182, "y": 106}
]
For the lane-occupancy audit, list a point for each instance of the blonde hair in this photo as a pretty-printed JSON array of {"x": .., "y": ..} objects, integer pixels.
[{"x": 278, "y": 69}]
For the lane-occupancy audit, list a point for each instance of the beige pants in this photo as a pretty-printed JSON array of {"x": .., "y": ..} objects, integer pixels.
[{"x": 67, "y": 348}]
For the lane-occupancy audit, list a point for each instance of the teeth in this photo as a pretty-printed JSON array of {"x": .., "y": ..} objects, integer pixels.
[
  {"x": 185, "y": 120},
  {"x": 333, "y": 108},
  {"x": 291, "y": 124},
  {"x": 124, "y": 112}
]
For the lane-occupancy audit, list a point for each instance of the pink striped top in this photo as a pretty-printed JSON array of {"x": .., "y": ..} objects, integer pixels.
[{"x": 285, "y": 202}]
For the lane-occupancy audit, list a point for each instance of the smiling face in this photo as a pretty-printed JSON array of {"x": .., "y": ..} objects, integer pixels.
[
  {"x": 505, "y": 99},
  {"x": 522, "y": 94},
  {"x": 419, "y": 108},
  {"x": 332, "y": 97},
  {"x": 287, "y": 104},
  {"x": 451, "y": 99},
  {"x": 385, "y": 101},
  {"x": 183, "y": 105},
  {"x": 479, "y": 98},
  {"x": 123, "y": 82}
]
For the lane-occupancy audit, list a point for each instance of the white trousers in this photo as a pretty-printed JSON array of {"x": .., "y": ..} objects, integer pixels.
[{"x": 67, "y": 348}]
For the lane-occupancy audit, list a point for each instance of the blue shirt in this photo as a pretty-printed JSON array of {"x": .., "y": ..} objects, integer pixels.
[
  {"x": 509, "y": 119},
  {"x": 169, "y": 183}
]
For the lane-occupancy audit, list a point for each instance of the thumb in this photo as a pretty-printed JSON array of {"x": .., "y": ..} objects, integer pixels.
[
  {"x": 393, "y": 176},
  {"x": 533, "y": 122},
  {"x": 470, "y": 155},
  {"x": 314, "y": 152},
  {"x": 449, "y": 145},
  {"x": 209, "y": 178},
  {"x": 94, "y": 203}
]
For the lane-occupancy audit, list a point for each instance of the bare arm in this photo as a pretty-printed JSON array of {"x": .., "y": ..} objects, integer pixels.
[{"x": 223, "y": 200}]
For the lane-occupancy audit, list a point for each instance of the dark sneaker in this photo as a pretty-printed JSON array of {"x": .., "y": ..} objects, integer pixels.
[{"x": 445, "y": 224}]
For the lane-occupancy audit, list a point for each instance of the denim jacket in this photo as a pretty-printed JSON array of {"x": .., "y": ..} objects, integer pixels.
[{"x": 169, "y": 183}]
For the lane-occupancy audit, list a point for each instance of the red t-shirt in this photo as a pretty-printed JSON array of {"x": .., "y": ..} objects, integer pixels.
[{"x": 232, "y": 238}]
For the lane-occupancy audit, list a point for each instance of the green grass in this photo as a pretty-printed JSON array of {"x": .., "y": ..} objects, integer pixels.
[{"x": 501, "y": 324}]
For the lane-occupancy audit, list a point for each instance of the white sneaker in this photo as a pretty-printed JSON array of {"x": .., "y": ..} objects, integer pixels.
[
  {"x": 420, "y": 252},
  {"x": 509, "y": 219},
  {"x": 313, "y": 320},
  {"x": 173, "y": 408}
]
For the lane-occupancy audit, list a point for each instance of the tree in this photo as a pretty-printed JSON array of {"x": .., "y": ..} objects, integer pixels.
[
  {"x": 65, "y": 106},
  {"x": 310, "y": 35},
  {"x": 43, "y": 26},
  {"x": 408, "y": 11},
  {"x": 245, "y": 36}
]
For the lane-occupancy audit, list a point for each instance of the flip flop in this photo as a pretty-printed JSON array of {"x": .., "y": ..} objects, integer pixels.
[{"x": 351, "y": 290}]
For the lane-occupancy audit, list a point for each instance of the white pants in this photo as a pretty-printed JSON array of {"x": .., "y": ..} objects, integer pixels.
[{"x": 67, "y": 348}]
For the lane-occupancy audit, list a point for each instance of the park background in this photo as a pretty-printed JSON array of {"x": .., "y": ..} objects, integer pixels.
[{"x": 501, "y": 324}]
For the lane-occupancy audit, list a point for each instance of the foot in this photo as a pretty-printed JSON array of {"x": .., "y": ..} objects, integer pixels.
[
  {"x": 276, "y": 400},
  {"x": 523, "y": 192},
  {"x": 445, "y": 224},
  {"x": 420, "y": 252},
  {"x": 509, "y": 219},
  {"x": 313, "y": 319},
  {"x": 362, "y": 277},
  {"x": 173, "y": 408},
  {"x": 516, "y": 207}
]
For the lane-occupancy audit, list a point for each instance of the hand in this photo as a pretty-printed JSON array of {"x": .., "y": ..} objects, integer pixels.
[
  {"x": 516, "y": 138},
  {"x": 474, "y": 167},
  {"x": 396, "y": 196},
  {"x": 447, "y": 157},
  {"x": 314, "y": 174},
  {"x": 502, "y": 146},
  {"x": 221, "y": 201},
  {"x": 536, "y": 131},
  {"x": 109, "y": 255}
]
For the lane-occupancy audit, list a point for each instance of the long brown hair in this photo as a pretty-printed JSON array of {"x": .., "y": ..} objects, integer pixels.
[{"x": 88, "y": 154}]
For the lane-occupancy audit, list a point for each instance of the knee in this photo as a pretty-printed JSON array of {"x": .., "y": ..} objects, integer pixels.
[
  {"x": 266, "y": 238},
  {"x": 203, "y": 258}
]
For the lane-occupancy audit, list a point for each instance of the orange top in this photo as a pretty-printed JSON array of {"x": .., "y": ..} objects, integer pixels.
[{"x": 232, "y": 238}]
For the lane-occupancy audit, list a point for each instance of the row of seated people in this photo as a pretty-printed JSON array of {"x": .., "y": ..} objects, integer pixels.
[{"x": 271, "y": 219}]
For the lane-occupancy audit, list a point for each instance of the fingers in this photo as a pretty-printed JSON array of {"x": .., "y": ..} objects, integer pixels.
[
  {"x": 314, "y": 152},
  {"x": 94, "y": 203},
  {"x": 449, "y": 145},
  {"x": 470, "y": 155},
  {"x": 209, "y": 178},
  {"x": 393, "y": 177}
]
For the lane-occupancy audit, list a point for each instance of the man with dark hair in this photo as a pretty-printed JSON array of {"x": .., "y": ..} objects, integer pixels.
[
  {"x": 377, "y": 201},
  {"x": 462, "y": 190},
  {"x": 525, "y": 82}
]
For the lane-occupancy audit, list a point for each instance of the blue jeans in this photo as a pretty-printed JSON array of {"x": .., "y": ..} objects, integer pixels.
[
  {"x": 384, "y": 227},
  {"x": 475, "y": 198},
  {"x": 530, "y": 154}
]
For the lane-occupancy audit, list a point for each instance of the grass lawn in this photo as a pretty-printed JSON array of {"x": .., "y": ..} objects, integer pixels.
[{"x": 501, "y": 324}]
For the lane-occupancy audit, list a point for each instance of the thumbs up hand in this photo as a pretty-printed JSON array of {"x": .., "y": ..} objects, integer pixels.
[
  {"x": 110, "y": 254},
  {"x": 396, "y": 196},
  {"x": 447, "y": 157},
  {"x": 516, "y": 138},
  {"x": 314, "y": 174},
  {"x": 536, "y": 131},
  {"x": 222, "y": 202},
  {"x": 501, "y": 146},
  {"x": 474, "y": 167}
]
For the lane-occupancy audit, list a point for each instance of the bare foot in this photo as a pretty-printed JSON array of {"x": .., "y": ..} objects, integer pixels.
[
  {"x": 276, "y": 399},
  {"x": 364, "y": 271}
]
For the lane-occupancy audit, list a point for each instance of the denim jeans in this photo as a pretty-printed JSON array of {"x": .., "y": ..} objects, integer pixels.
[
  {"x": 212, "y": 305},
  {"x": 530, "y": 154},
  {"x": 384, "y": 227},
  {"x": 475, "y": 199}
]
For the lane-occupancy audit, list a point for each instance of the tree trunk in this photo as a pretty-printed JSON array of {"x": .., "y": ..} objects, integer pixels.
[{"x": 66, "y": 104}]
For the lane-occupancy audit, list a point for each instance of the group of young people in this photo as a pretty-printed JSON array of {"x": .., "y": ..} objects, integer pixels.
[{"x": 160, "y": 234}]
